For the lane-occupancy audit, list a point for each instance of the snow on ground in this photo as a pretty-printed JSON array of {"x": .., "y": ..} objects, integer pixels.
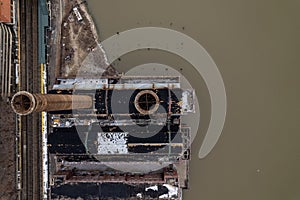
[
  {"x": 155, "y": 188},
  {"x": 173, "y": 191},
  {"x": 139, "y": 195}
]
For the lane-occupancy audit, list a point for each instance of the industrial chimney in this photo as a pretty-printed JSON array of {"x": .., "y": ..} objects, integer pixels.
[{"x": 24, "y": 103}]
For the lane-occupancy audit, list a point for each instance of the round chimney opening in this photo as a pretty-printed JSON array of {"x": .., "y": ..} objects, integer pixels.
[
  {"x": 23, "y": 103},
  {"x": 146, "y": 102}
]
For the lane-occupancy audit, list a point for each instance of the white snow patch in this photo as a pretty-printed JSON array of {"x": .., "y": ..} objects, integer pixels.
[
  {"x": 155, "y": 188},
  {"x": 164, "y": 196},
  {"x": 112, "y": 143},
  {"x": 139, "y": 195},
  {"x": 173, "y": 191}
]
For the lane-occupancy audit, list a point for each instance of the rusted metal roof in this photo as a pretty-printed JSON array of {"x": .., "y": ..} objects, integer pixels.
[{"x": 5, "y": 11}]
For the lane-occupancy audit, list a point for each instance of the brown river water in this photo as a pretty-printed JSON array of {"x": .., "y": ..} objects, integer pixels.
[{"x": 256, "y": 46}]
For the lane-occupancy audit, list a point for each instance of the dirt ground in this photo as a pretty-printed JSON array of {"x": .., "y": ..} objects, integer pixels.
[
  {"x": 74, "y": 45},
  {"x": 7, "y": 153},
  {"x": 79, "y": 39}
]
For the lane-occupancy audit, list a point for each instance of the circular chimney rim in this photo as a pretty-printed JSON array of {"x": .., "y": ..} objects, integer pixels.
[
  {"x": 23, "y": 103},
  {"x": 149, "y": 105}
]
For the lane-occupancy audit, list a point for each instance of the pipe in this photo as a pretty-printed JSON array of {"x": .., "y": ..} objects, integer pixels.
[{"x": 24, "y": 103}]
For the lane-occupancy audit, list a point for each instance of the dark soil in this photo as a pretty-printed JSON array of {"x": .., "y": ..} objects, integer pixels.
[{"x": 7, "y": 152}]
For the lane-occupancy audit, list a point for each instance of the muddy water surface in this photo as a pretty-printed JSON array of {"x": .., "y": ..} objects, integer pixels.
[{"x": 256, "y": 46}]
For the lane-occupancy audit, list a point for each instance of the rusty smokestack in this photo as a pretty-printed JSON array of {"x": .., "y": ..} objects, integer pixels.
[{"x": 24, "y": 103}]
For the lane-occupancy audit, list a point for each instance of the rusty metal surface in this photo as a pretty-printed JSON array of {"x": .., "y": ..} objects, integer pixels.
[
  {"x": 124, "y": 82},
  {"x": 52, "y": 102},
  {"x": 24, "y": 103}
]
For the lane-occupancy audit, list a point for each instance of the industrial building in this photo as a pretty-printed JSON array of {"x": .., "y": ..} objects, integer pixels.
[{"x": 118, "y": 134}]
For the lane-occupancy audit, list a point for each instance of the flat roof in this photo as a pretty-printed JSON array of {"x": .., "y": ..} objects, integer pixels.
[{"x": 5, "y": 11}]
